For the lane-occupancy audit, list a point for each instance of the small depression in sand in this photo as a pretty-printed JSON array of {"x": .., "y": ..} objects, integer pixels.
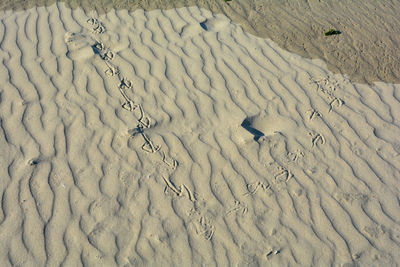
[{"x": 265, "y": 124}]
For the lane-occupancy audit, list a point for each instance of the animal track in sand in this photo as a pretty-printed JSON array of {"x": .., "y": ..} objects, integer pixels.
[
  {"x": 203, "y": 225},
  {"x": 205, "y": 228},
  {"x": 125, "y": 84},
  {"x": 128, "y": 104},
  {"x": 180, "y": 191},
  {"x": 294, "y": 156},
  {"x": 111, "y": 70},
  {"x": 316, "y": 138},
  {"x": 97, "y": 27},
  {"x": 109, "y": 55},
  {"x": 98, "y": 47},
  {"x": 328, "y": 86},
  {"x": 283, "y": 174},
  {"x": 272, "y": 252},
  {"x": 253, "y": 187},
  {"x": 325, "y": 85},
  {"x": 148, "y": 146},
  {"x": 238, "y": 207},
  {"x": 335, "y": 101},
  {"x": 313, "y": 114},
  {"x": 173, "y": 163},
  {"x": 104, "y": 52}
]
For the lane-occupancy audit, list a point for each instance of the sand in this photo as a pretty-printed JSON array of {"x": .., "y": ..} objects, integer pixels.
[
  {"x": 367, "y": 51},
  {"x": 176, "y": 138}
]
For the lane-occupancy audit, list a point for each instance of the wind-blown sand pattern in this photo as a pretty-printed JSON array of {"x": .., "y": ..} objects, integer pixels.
[
  {"x": 367, "y": 50},
  {"x": 174, "y": 138}
]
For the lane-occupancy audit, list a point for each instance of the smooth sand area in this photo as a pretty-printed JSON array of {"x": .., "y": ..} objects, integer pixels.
[{"x": 175, "y": 138}]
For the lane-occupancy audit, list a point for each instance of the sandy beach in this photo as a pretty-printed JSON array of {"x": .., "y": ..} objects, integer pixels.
[{"x": 185, "y": 137}]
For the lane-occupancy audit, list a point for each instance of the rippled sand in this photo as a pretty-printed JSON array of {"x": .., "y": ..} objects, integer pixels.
[
  {"x": 175, "y": 138},
  {"x": 367, "y": 51}
]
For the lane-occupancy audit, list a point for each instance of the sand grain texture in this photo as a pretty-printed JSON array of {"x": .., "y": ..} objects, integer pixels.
[{"x": 174, "y": 138}]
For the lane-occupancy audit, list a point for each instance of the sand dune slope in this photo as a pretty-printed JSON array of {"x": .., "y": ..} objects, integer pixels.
[{"x": 173, "y": 138}]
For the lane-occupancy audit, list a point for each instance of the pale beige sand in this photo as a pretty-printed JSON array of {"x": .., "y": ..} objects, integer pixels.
[
  {"x": 368, "y": 50},
  {"x": 82, "y": 185}
]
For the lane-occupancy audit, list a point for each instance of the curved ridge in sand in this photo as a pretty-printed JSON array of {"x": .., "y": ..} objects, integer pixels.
[{"x": 174, "y": 138}]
